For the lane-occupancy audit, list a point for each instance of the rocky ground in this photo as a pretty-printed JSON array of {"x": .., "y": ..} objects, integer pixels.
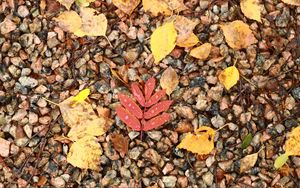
[{"x": 38, "y": 60}]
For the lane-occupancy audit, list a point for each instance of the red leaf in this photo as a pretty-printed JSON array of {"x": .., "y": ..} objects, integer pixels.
[
  {"x": 128, "y": 118},
  {"x": 130, "y": 105},
  {"x": 157, "y": 121},
  {"x": 137, "y": 93},
  {"x": 155, "y": 98},
  {"x": 149, "y": 87},
  {"x": 157, "y": 108}
]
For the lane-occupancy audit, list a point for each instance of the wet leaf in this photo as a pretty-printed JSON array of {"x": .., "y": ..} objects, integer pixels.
[
  {"x": 184, "y": 27},
  {"x": 129, "y": 119},
  {"x": 292, "y": 2},
  {"x": 246, "y": 142},
  {"x": 137, "y": 93},
  {"x": 149, "y": 87},
  {"x": 66, "y": 3},
  {"x": 82, "y": 95},
  {"x": 229, "y": 77},
  {"x": 85, "y": 153},
  {"x": 157, "y": 108},
  {"x": 201, "y": 52},
  {"x": 169, "y": 80},
  {"x": 202, "y": 142},
  {"x": 93, "y": 23},
  {"x": 281, "y": 160},
  {"x": 130, "y": 105},
  {"x": 155, "y": 98},
  {"x": 292, "y": 144},
  {"x": 248, "y": 162},
  {"x": 251, "y": 9},
  {"x": 238, "y": 34},
  {"x": 69, "y": 21},
  {"x": 156, "y": 6},
  {"x": 191, "y": 41},
  {"x": 156, "y": 122},
  {"x": 84, "y": 3},
  {"x": 120, "y": 143},
  {"x": 127, "y": 6},
  {"x": 162, "y": 41}
]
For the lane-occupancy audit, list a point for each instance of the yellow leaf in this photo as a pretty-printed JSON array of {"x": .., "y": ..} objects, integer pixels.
[
  {"x": 85, "y": 153},
  {"x": 162, "y": 41},
  {"x": 229, "y": 77},
  {"x": 93, "y": 24},
  {"x": 248, "y": 162},
  {"x": 201, "y": 52},
  {"x": 292, "y": 144},
  {"x": 238, "y": 35},
  {"x": 251, "y": 9},
  {"x": 201, "y": 143},
  {"x": 169, "y": 80},
  {"x": 126, "y": 6},
  {"x": 69, "y": 21},
  {"x": 82, "y": 95},
  {"x": 84, "y": 3},
  {"x": 184, "y": 27},
  {"x": 157, "y": 6},
  {"x": 192, "y": 40},
  {"x": 292, "y": 2},
  {"x": 66, "y": 3}
]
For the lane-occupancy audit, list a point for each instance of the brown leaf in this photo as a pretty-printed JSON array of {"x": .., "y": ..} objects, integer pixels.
[
  {"x": 120, "y": 143},
  {"x": 126, "y": 6},
  {"x": 184, "y": 27},
  {"x": 248, "y": 162},
  {"x": 169, "y": 80},
  {"x": 201, "y": 52}
]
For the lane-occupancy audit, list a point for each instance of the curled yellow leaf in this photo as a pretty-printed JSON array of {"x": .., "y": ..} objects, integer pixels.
[
  {"x": 162, "y": 41},
  {"x": 201, "y": 143},
  {"x": 201, "y": 52},
  {"x": 192, "y": 40},
  {"x": 69, "y": 21},
  {"x": 229, "y": 77},
  {"x": 251, "y": 9}
]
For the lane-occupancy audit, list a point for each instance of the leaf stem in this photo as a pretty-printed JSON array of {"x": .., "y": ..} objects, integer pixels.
[
  {"x": 50, "y": 101},
  {"x": 222, "y": 127}
]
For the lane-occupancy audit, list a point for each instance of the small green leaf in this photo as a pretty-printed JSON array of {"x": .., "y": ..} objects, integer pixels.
[
  {"x": 281, "y": 160},
  {"x": 247, "y": 141}
]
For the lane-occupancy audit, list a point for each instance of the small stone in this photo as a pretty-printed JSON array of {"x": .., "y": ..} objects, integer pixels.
[
  {"x": 21, "y": 113},
  {"x": 153, "y": 156},
  {"x": 133, "y": 134},
  {"x": 132, "y": 33},
  {"x": 23, "y": 11},
  {"x": 218, "y": 121},
  {"x": 134, "y": 153},
  {"x": 182, "y": 181},
  {"x": 169, "y": 181},
  {"x": 155, "y": 135},
  {"x": 42, "y": 102},
  {"x": 21, "y": 142},
  {"x": 28, "y": 82},
  {"x": 226, "y": 165},
  {"x": 296, "y": 93},
  {"x": 4, "y": 147},
  {"x": 26, "y": 40},
  {"x": 208, "y": 178},
  {"x": 125, "y": 173},
  {"x": 33, "y": 118},
  {"x": 28, "y": 130},
  {"x": 7, "y": 26},
  {"x": 58, "y": 182},
  {"x": 168, "y": 168},
  {"x": 184, "y": 127},
  {"x": 109, "y": 178},
  {"x": 185, "y": 112},
  {"x": 197, "y": 82}
]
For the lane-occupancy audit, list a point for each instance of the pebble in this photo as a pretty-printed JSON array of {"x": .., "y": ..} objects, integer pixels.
[
  {"x": 208, "y": 178},
  {"x": 185, "y": 112},
  {"x": 4, "y": 147},
  {"x": 296, "y": 93},
  {"x": 7, "y": 26},
  {"x": 19, "y": 115},
  {"x": 155, "y": 135},
  {"x": 218, "y": 121},
  {"x": 26, "y": 40},
  {"x": 58, "y": 182},
  {"x": 33, "y": 118},
  {"x": 28, "y": 81},
  {"x": 168, "y": 168},
  {"x": 28, "y": 130},
  {"x": 153, "y": 156},
  {"x": 133, "y": 134},
  {"x": 23, "y": 11},
  {"x": 169, "y": 181},
  {"x": 135, "y": 152}
]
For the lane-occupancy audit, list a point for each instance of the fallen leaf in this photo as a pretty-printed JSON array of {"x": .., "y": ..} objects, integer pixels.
[
  {"x": 248, "y": 162},
  {"x": 285, "y": 170},
  {"x": 7, "y": 26},
  {"x": 126, "y": 6},
  {"x": 85, "y": 153},
  {"x": 292, "y": 144},
  {"x": 157, "y": 108},
  {"x": 184, "y": 27},
  {"x": 246, "y": 142},
  {"x": 292, "y": 2},
  {"x": 169, "y": 80},
  {"x": 66, "y": 3},
  {"x": 156, "y": 6},
  {"x": 191, "y": 41},
  {"x": 251, "y": 9},
  {"x": 176, "y": 5},
  {"x": 93, "y": 23},
  {"x": 82, "y": 95},
  {"x": 202, "y": 142},
  {"x": 238, "y": 34},
  {"x": 69, "y": 21},
  {"x": 155, "y": 98},
  {"x": 149, "y": 88},
  {"x": 281, "y": 160},
  {"x": 156, "y": 121},
  {"x": 162, "y": 41},
  {"x": 42, "y": 181},
  {"x": 120, "y": 143},
  {"x": 229, "y": 77},
  {"x": 201, "y": 52},
  {"x": 84, "y": 3}
]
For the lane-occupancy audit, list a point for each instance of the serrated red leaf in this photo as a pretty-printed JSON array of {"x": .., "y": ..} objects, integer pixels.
[
  {"x": 157, "y": 108},
  {"x": 137, "y": 93},
  {"x": 155, "y": 98},
  {"x": 130, "y": 105},
  {"x": 129, "y": 119},
  {"x": 156, "y": 122},
  {"x": 149, "y": 87}
]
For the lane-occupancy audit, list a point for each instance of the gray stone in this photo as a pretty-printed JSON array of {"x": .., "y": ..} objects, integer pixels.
[
  {"x": 23, "y": 11},
  {"x": 296, "y": 93},
  {"x": 135, "y": 152},
  {"x": 26, "y": 40},
  {"x": 28, "y": 82},
  {"x": 169, "y": 181},
  {"x": 155, "y": 135},
  {"x": 208, "y": 178},
  {"x": 58, "y": 182}
]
